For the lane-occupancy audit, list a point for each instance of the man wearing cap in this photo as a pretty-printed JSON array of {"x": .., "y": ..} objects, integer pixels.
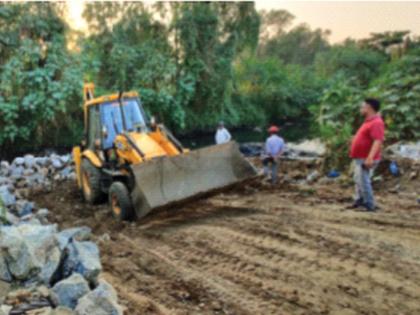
[
  {"x": 222, "y": 134},
  {"x": 366, "y": 153},
  {"x": 274, "y": 146}
]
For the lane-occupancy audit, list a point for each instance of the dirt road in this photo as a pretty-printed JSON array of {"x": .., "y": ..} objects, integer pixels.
[{"x": 289, "y": 250}]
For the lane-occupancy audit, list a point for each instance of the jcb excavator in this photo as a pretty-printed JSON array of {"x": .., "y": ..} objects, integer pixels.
[{"x": 140, "y": 165}]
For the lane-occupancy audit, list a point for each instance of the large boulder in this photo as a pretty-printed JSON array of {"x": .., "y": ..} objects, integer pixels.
[
  {"x": 68, "y": 291},
  {"x": 83, "y": 258},
  {"x": 31, "y": 251},
  {"x": 18, "y": 257},
  {"x": 7, "y": 197},
  {"x": 101, "y": 301}
]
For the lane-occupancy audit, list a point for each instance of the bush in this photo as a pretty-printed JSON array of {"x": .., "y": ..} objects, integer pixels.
[{"x": 398, "y": 87}]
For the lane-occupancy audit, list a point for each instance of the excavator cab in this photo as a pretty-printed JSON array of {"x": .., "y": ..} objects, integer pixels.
[{"x": 141, "y": 166}]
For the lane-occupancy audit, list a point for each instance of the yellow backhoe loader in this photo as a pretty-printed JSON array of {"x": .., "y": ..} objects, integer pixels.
[{"x": 140, "y": 165}]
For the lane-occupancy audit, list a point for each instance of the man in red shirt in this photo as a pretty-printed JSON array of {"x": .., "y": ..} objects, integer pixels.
[{"x": 366, "y": 152}]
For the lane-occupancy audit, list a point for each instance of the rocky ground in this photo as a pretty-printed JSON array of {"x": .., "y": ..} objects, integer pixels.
[
  {"x": 45, "y": 271},
  {"x": 257, "y": 249}
]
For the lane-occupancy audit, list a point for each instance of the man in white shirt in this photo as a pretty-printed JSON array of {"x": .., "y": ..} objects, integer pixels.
[
  {"x": 222, "y": 134},
  {"x": 274, "y": 147}
]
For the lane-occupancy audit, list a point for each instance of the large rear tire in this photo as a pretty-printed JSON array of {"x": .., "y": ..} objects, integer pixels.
[
  {"x": 91, "y": 183},
  {"x": 120, "y": 202}
]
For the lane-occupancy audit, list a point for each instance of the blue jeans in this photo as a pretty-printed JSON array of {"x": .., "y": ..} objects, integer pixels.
[
  {"x": 363, "y": 185},
  {"x": 272, "y": 163}
]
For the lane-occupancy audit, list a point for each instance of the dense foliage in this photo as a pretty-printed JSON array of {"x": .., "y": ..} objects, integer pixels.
[
  {"x": 195, "y": 64},
  {"x": 39, "y": 82}
]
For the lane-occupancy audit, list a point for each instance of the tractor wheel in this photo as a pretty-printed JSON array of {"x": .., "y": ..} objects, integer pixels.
[
  {"x": 120, "y": 201},
  {"x": 91, "y": 183}
]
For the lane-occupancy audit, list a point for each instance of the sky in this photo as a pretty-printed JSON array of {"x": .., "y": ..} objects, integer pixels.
[{"x": 344, "y": 19}]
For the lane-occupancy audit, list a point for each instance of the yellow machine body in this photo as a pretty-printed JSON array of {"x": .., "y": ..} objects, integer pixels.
[{"x": 153, "y": 165}]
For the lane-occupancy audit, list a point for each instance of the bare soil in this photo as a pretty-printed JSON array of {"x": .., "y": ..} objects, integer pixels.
[{"x": 289, "y": 249}]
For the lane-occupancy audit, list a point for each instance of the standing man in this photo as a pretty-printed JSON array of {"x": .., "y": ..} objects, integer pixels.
[
  {"x": 274, "y": 146},
  {"x": 222, "y": 134},
  {"x": 366, "y": 153}
]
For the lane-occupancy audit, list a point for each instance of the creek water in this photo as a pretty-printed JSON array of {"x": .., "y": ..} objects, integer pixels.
[{"x": 291, "y": 132}]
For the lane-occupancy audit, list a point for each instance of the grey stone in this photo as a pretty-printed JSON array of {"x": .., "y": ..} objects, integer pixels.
[
  {"x": 28, "y": 172},
  {"x": 101, "y": 301},
  {"x": 17, "y": 255},
  {"x": 65, "y": 159},
  {"x": 29, "y": 161},
  {"x": 29, "y": 219},
  {"x": 42, "y": 215},
  {"x": 4, "y": 168},
  {"x": 36, "y": 178},
  {"x": 78, "y": 233},
  {"x": 16, "y": 171},
  {"x": 8, "y": 198},
  {"x": 61, "y": 310},
  {"x": 24, "y": 207},
  {"x": 4, "y": 180},
  {"x": 65, "y": 172},
  {"x": 56, "y": 163},
  {"x": 18, "y": 161},
  {"x": 42, "y": 161},
  {"x": 5, "y": 309},
  {"x": 4, "y": 271},
  {"x": 68, "y": 291},
  {"x": 11, "y": 218},
  {"x": 31, "y": 251},
  {"x": 83, "y": 258}
]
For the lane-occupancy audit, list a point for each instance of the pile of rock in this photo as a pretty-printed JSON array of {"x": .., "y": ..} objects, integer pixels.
[
  {"x": 30, "y": 174},
  {"x": 36, "y": 172},
  {"x": 44, "y": 271},
  {"x": 58, "y": 270}
]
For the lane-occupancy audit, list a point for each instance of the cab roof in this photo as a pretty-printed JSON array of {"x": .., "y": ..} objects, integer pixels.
[{"x": 110, "y": 98}]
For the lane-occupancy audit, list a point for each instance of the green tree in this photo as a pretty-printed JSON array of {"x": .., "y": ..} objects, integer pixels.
[
  {"x": 211, "y": 36},
  {"x": 351, "y": 61},
  {"x": 398, "y": 87},
  {"x": 275, "y": 91},
  {"x": 298, "y": 46},
  {"x": 40, "y": 82}
]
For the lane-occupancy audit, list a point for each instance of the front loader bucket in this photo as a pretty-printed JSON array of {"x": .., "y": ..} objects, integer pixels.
[{"x": 167, "y": 180}]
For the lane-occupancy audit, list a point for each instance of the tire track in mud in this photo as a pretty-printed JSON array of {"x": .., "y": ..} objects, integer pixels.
[
  {"x": 249, "y": 264},
  {"x": 265, "y": 252}
]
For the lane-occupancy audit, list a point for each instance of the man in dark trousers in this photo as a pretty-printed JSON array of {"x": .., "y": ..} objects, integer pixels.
[
  {"x": 366, "y": 153},
  {"x": 273, "y": 149}
]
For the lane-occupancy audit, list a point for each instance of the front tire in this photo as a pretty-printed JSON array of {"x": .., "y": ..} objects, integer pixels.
[
  {"x": 120, "y": 202},
  {"x": 91, "y": 183}
]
